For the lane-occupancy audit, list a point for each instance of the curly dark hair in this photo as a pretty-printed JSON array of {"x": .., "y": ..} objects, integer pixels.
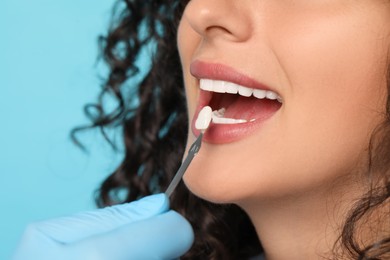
[{"x": 151, "y": 112}]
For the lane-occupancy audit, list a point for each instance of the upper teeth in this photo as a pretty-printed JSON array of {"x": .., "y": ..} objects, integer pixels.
[{"x": 221, "y": 86}]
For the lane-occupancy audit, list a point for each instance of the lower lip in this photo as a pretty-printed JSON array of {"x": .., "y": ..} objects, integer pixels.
[{"x": 227, "y": 133}]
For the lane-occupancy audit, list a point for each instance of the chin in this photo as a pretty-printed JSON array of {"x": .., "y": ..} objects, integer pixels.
[
  {"x": 222, "y": 188},
  {"x": 210, "y": 192}
]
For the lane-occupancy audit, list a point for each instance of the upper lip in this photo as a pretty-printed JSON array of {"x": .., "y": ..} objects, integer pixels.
[{"x": 217, "y": 71}]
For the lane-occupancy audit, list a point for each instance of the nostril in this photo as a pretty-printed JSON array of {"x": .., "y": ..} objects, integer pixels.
[
  {"x": 215, "y": 30},
  {"x": 218, "y": 18}
]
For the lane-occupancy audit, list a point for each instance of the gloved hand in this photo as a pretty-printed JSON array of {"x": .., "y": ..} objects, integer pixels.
[{"x": 141, "y": 230}]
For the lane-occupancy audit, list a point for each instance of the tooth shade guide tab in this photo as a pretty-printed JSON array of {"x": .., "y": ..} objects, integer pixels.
[{"x": 204, "y": 119}]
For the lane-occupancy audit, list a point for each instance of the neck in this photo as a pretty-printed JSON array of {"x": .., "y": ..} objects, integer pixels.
[{"x": 305, "y": 226}]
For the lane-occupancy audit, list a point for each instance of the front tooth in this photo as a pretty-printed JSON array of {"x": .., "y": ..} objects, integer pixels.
[
  {"x": 219, "y": 86},
  {"x": 259, "y": 93},
  {"x": 220, "y": 112},
  {"x": 206, "y": 84},
  {"x": 222, "y": 120},
  {"x": 231, "y": 88},
  {"x": 271, "y": 95},
  {"x": 246, "y": 92}
]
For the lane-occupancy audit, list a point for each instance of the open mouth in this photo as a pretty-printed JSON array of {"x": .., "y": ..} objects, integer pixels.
[
  {"x": 235, "y": 104},
  {"x": 236, "y": 109}
]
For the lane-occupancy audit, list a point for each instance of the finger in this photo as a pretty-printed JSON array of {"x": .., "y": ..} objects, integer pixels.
[
  {"x": 80, "y": 226},
  {"x": 166, "y": 236}
]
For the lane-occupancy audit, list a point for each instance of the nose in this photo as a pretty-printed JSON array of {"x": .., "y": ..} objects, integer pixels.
[{"x": 226, "y": 19}]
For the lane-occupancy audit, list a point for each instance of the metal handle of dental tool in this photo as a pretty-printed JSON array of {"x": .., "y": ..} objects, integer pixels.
[
  {"x": 202, "y": 123},
  {"x": 179, "y": 174}
]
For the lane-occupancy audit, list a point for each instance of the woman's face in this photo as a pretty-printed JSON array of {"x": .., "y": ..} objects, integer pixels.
[{"x": 326, "y": 61}]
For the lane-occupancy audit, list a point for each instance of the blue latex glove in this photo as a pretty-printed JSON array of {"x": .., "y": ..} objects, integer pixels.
[{"x": 145, "y": 229}]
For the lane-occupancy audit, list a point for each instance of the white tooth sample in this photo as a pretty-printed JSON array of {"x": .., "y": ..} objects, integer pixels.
[
  {"x": 219, "y": 86},
  {"x": 259, "y": 93},
  {"x": 204, "y": 118},
  {"x": 231, "y": 88},
  {"x": 206, "y": 84},
  {"x": 246, "y": 92},
  {"x": 271, "y": 95}
]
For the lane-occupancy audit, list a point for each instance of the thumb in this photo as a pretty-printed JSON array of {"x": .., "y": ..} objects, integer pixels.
[
  {"x": 166, "y": 236},
  {"x": 83, "y": 225}
]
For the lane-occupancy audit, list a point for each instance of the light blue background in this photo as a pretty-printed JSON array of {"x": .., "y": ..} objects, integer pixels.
[{"x": 48, "y": 50}]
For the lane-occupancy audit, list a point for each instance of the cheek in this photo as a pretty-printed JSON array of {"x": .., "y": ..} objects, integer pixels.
[{"x": 337, "y": 95}]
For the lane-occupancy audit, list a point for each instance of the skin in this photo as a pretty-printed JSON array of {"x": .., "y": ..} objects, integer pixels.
[{"x": 298, "y": 174}]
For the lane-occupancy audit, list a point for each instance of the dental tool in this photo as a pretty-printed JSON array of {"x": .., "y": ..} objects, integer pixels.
[{"x": 202, "y": 123}]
